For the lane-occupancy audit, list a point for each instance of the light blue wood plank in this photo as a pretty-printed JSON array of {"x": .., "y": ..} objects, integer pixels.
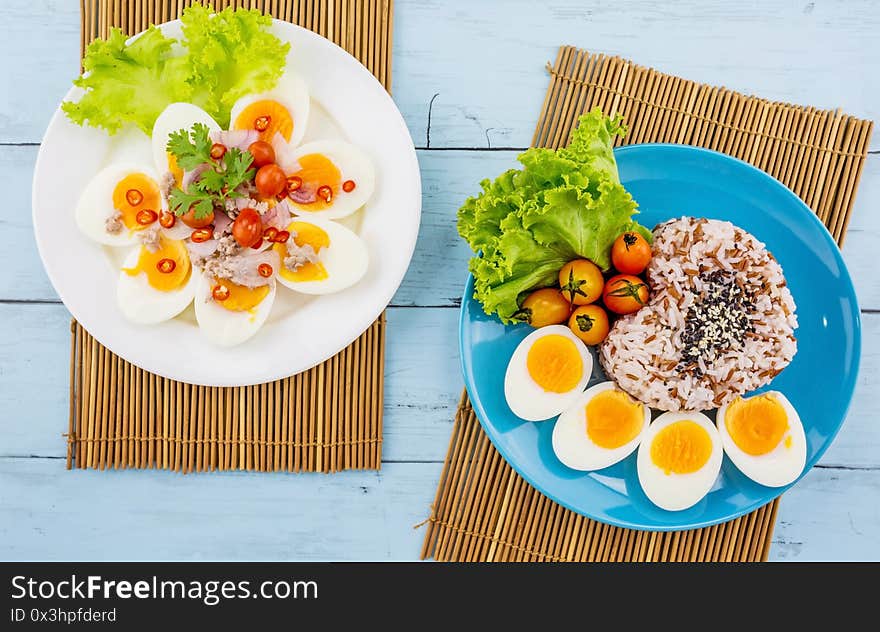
[
  {"x": 422, "y": 378},
  {"x": 40, "y": 53},
  {"x": 422, "y": 381},
  {"x": 49, "y": 514},
  {"x": 486, "y": 60},
  {"x": 439, "y": 266}
]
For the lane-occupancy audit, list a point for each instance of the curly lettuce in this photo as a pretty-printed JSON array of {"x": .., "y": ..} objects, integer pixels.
[
  {"x": 561, "y": 205},
  {"x": 128, "y": 83},
  {"x": 221, "y": 58},
  {"x": 230, "y": 55}
]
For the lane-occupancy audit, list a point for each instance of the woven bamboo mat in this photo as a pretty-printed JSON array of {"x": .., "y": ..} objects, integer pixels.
[
  {"x": 326, "y": 419},
  {"x": 483, "y": 510}
]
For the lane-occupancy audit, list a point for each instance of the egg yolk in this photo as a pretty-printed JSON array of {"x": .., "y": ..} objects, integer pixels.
[
  {"x": 175, "y": 169},
  {"x": 303, "y": 234},
  {"x": 149, "y": 263},
  {"x": 316, "y": 171},
  {"x": 241, "y": 298},
  {"x": 555, "y": 364},
  {"x": 757, "y": 424},
  {"x": 682, "y": 447},
  {"x": 134, "y": 193},
  {"x": 613, "y": 419},
  {"x": 266, "y": 117}
]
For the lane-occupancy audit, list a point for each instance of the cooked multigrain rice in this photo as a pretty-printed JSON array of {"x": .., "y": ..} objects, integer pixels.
[{"x": 720, "y": 321}]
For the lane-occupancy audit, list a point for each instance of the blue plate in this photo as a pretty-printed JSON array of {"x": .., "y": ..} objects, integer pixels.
[{"x": 670, "y": 181}]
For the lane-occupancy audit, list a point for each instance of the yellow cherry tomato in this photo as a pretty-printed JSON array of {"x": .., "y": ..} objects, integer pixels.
[
  {"x": 589, "y": 323},
  {"x": 581, "y": 281},
  {"x": 544, "y": 307}
]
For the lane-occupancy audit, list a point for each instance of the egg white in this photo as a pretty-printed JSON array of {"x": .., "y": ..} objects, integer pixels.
[
  {"x": 143, "y": 304},
  {"x": 524, "y": 396},
  {"x": 574, "y": 447},
  {"x": 173, "y": 118},
  {"x": 780, "y": 466},
  {"x": 224, "y": 327},
  {"x": 292, "y": 92},
  {"x": 345, "y": 259},
  {"x": 675, "y": 492},
  {"x": 95, "y": 205},
  {"x": 353, "y": 164}
]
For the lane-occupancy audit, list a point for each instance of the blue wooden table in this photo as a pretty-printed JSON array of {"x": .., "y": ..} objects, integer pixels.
[{"x": 469, "y": 78}]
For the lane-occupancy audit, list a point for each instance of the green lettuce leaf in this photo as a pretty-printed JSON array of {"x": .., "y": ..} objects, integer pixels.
[
  {"x": 128, "y": 83},
  {"x": 562, "y": 205},
  {"x": 230, "y": 55},
  {"x": 221, "y": 59}
]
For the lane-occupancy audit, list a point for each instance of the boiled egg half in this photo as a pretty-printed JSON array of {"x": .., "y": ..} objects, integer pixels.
[
  {"x": 764, "y": 438},
  {"x": 227, "y": 313},
  {"x": 328, "y": 179},
  {"x": 339, "y": 257},
  {"x": 603, "y": 426},
  {"x": 176, "y": 117},
  {"x": 156, "y": 286},
  {"x": 547, "y": 372},
  {"x": 117, "y": 203},
  {"x": 679, "y": 459},
  {"x": 283, "y": 110}
]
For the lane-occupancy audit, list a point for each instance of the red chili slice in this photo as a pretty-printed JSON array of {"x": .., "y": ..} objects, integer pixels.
[
  {"x": 220, "y": 292},
  {"x": 325, "y": 193},
  {"x": 202, "y": 234},
  {"x": 270, "y": 233},
  {"x": 166, "y": 266},
  {"x": 134, "y": 197},
  {"x": 218, "y": 150},
  {"x": 294, "y": 183},
  {"x": 261, "y": 123},
  {"x": 146, "y": 217},
  {"x": 167, "y": 220},
  {"x": 281, "y": 237},
  {"x": 348, "y": 186},
  {"x": 265, "y": 270}
]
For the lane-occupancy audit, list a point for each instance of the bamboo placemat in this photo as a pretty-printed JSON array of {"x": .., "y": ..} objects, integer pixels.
[
  {"x": 483, "y": 510},
  {"x": 326, "y": 419}
]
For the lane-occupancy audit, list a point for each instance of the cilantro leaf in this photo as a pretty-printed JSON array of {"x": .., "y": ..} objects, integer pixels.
[
  {"x": 192, "y": 148},
  {"x": 216, "y": 183}
]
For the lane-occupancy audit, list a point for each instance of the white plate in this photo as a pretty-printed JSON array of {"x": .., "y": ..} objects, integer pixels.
[{"x": 301, "y": 331}]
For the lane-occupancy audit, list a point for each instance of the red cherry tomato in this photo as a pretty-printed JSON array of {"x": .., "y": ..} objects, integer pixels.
[
  {"x": 270, "y": 180},
  {"x": 189, "y": 218},
  {"x": 247, "y": 229},
  {"x": 263, "y": 153}
]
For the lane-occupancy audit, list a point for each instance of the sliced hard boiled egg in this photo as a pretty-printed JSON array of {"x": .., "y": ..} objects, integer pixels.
[
  {"x": 603, "y": 426},
  {"x": 320, "y": 257},
  {"x": 764, "y": 438},
  {"x": 228, "y": 314},
  {"x": 117, "y": 203},
  {"x": 679, "y": 459},
  {"x": 283, "y": 110},
  {"x": 176, "y": 117},
  {"x": 156, "y": 286},
  {"x": 546, "y": 373},
  {"x": 328, "y": 179}
]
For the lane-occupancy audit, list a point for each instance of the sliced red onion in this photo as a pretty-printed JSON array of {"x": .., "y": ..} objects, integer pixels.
[
  {"x": 240, "y": 138},
  {"x": 221, "y": 222},
  {"x": 191, "y": 176},
  {"x": 202, "y": 249},
  {"x": 303, "y": 195},
  {"x": 278, "y": 216},
  {"x": 246, "y": 270},
  {"x": 178, "y": 231},
  {"x": 283, "y": 153}
]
